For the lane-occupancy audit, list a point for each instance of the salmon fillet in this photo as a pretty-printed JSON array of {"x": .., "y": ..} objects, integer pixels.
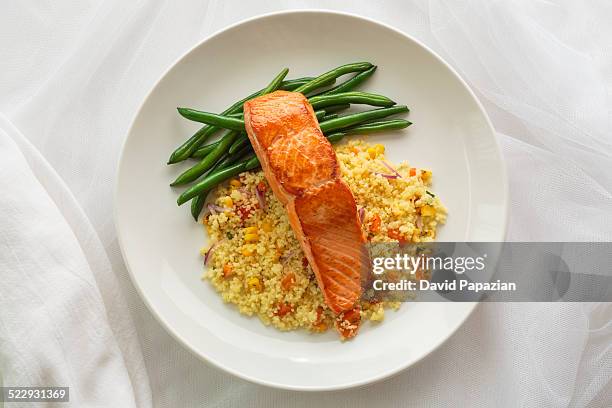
[{"x": 302, "y": 169}]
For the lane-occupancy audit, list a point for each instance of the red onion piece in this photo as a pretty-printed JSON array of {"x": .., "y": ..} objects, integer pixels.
[
  {"x": 214, "y": 209},
  {"x": 261, "y": 197},
  {"x": 419, "y": 222},
  {"x": 209, "y": 253},
  {"x": 286, "y": 256},
  {"x": 387, "y": 165},
  {"x": 388, "y": 176},
  {"x": 361, "y": 214},
  {"x": 245, "y": 192}
]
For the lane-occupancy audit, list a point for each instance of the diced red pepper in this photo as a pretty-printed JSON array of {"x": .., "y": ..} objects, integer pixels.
[
  {"x": 395, "y": 234},
  {"x": 288, "y": 281},
  {"x": 347, "y": 323},
  {"x": 375, "y": 223},
  {"x": 244, "y": 212},
  {"x": 284, "y": 309}
]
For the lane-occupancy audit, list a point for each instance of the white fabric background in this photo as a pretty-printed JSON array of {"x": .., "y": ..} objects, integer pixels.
[{"x": 73, "y": 73}]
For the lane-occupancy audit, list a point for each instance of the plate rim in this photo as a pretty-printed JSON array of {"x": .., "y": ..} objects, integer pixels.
[{"x": 166, "y": 325}]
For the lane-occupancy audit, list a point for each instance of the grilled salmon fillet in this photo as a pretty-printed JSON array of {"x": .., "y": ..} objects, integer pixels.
[{"x": 302, "y": 169}]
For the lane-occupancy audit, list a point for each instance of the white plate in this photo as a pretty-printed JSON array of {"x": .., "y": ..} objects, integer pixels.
[{"x": 160, "y": 242}]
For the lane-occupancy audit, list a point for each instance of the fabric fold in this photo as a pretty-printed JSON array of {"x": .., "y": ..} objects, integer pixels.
[{"x": 64, "y": 321}]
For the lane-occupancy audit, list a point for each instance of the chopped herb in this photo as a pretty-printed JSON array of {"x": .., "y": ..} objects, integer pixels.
[
  {"x": 229, "y": 235},
  {"x": 430, "y": 193}
]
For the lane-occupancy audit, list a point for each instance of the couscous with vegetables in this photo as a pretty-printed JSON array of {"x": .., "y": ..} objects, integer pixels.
[{"x": 256, "y": 263}]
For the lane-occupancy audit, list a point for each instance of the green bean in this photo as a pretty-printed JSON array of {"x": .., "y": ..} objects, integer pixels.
[
  {"x": 337, "y": 108},
  {"x": 293, "y": 84},
  {"x": 352, "y": 83},
  {"x": 237, "y": 106},
  {"x": 220, "y": 164},
  {"x": 232, "y": 158},
  {"x": 214, "y": 119},
  {"x": 361, "y": 117},
  {"x": 237, "y": 156},
  {"x": 323, "y": 101},
  {"x": 211, "y": 181},
  {"x": 393, "y": 124},
  {"x": 238, "y": 143},
  {"x": 204, "y": 150},
  {"x": 276, "y": 82},
  {"x": 189, "y": 147},
  {"x": 197, "y": 203},
  {"x": 371, "y": 127},
  {"x": 382, "y": 125},
  {"x": 319, "y": 114},
  {"x": 333, "y": 74},
  {"x": 207, "y": 162},
  {"x": 252, "y": 162},
  {"x": 290, "y": 84},
  {"x": 329, "y": 117},
  {"x": 184, "y": 151},
  {"x": 335, "y": 137}
]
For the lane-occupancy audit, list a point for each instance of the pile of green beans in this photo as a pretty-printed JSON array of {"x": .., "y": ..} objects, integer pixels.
[{"x": 233, "y": 154}]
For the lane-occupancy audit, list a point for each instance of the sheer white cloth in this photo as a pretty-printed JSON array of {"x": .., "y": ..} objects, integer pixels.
[{"x": 72, "y": 75}]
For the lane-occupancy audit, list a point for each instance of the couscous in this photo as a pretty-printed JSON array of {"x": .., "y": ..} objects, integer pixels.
[{"x": 255, "y": 261}]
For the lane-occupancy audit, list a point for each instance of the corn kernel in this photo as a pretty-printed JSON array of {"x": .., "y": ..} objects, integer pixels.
[
  {"x": 380, "y": 149},
  {"x": 251, "y": 237},
  {"x": 248, "y": 250},
  {"x": 372, "y": 152},
  {"x": 288, "y": 281},
  {"x": 228, "y": 202},
  {"x": 319, "y": 327},
  {"x": 235, "y": 183},
  {"x": 227, "y": 270},
  {"x": 426, "y": 176},
  {"x": 254, "y": 283},
  {"x": 416, "y": 235},
  {"x": 250, "y": 230},
  {"x": 428, "y": 211},
  {"x": 266, "y": 226}
]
